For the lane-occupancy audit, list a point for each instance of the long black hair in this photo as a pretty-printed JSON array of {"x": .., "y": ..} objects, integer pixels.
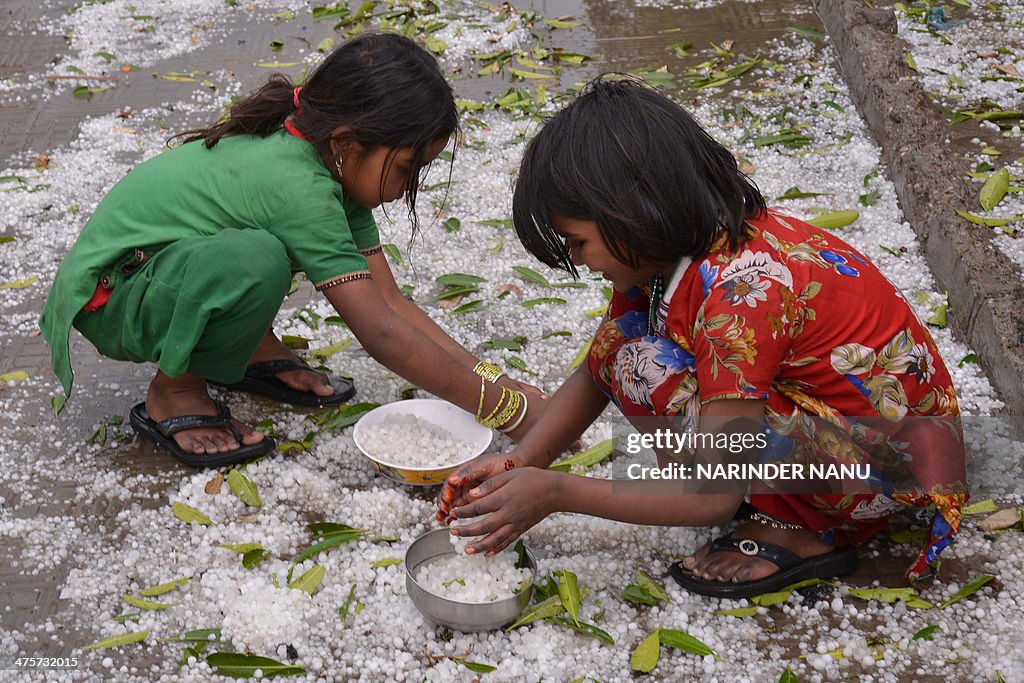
[
  {"x": 383, "y": 86},
  {"x": 627, "y": 157}
]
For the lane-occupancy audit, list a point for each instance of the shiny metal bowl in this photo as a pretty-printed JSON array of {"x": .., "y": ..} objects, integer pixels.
[
  {"x": 460, "y": 616},
  {"x": 461, "y": 424}
]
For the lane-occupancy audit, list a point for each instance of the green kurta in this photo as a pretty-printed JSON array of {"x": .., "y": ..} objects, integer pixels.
[{"x": 278, "y": 184}]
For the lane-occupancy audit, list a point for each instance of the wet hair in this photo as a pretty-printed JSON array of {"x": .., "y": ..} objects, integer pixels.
[
  {"x": 627, "y": 157},
  {"x": 387, "y": 89}
]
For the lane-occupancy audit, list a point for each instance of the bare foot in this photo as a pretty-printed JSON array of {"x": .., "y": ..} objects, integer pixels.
[
  {"x": 271, "y": 348},
  {"x": 735, "y": 567},
  {"x": 186, "y": 395}
]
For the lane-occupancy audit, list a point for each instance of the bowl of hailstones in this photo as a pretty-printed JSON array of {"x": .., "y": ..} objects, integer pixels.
[
  {"x": 420, "y": 441},
  {"x": 468, "y": 592}
]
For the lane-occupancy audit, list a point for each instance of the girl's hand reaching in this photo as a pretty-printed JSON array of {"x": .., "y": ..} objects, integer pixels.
[
  {"x": 473, "y": 473},
  {"x": 512, "y": 501}
]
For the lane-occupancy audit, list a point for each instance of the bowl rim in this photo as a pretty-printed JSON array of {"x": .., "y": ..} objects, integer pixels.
[
  {"x": 426, "y": 468},
  {"x": 410, "y": 577}
]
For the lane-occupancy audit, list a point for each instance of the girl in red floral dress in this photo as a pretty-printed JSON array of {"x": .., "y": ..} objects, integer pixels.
[{"x": 722, "y": 310}]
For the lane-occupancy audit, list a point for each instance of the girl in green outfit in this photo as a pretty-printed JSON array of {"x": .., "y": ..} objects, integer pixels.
[{"x": 188, "y": 258}]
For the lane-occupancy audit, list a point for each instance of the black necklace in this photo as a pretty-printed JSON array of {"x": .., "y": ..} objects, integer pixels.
[{"x": 656, "y": 285}]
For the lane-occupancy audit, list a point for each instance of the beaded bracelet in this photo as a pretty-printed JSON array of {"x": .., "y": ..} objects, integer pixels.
[
  {"x": 515, "y": 400},
  {"x": 489, "y": 371},
  {"x": 489, "y": 420},
  {"x": 519, "y": 420}
]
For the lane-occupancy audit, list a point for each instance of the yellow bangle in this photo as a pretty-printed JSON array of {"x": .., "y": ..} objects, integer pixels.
[
  {"x": 489, "y": 371},
  {"x": 489, "y": 420},
  {"x": 519, "y": 420},
  {"x": 515, "y": 400},
  {"x": 480, "y": 406}
]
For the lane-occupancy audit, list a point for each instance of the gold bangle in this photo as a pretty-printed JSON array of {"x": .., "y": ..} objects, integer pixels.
[
  {"x": 519, "y": 420},
  {"x": 480, "y": 406},
  {"x": 489, "y": 420},
  {"x": 489, "y": 371},
  {"x": 509, "y": 410}
]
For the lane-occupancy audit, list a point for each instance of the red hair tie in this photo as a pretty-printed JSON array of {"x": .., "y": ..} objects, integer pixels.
[{"x": 295, "y": 96}]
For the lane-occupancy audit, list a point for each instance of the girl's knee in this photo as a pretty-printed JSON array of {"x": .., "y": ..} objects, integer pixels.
[{"x": 254, "y": 260}]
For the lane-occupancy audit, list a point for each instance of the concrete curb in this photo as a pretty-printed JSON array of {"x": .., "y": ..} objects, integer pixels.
[{"x": 986, "y": 294}]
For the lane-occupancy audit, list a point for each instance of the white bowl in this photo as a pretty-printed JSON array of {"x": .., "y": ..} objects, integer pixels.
[{"x": 461, "y": 424}]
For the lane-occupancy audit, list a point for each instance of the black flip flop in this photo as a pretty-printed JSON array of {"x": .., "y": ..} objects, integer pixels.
[
  {"x": 792, "y": 568},
  {"x": 260, "y": 379},
  {"x": 161, "y": 434}
]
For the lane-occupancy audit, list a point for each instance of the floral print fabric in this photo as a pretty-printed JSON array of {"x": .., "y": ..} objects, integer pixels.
[{"x": 800, "y": 319}]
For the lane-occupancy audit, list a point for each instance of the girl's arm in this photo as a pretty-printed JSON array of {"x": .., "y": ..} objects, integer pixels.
[
  {"x": 403, "y": 348},
  {"x": 517, "y": 499}
]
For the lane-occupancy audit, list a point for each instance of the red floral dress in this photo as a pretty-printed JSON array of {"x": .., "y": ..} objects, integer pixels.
[{"x": 800, "y": 319}]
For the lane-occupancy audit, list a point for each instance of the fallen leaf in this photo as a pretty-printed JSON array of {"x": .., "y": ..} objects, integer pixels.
[
  {"x": 1003, "y": 519},
  {"x": 727, "y": 45},
  {"x": 213, "y": 486},
  {"x": 747, "y": 168},
  {"x": 988, "y": 55},
  {"x": 42, "y": 162},
  {"x": 1008, "y": 69},
  {"x": 511, "y": 289},
  {"x": 445, "y": 304}
]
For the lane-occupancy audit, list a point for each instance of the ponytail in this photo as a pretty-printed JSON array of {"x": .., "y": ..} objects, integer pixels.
[{"x": 261, "y": 113}]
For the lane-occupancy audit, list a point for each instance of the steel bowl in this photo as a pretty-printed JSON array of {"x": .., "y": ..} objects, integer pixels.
[
  {"x": 461, "y": 424},
  {"x": 460, "y": 616}
]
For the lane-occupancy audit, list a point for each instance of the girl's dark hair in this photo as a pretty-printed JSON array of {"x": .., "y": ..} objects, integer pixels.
[
  {"x": 630, "y": 159},
  {"x": 387, "y": 89}
]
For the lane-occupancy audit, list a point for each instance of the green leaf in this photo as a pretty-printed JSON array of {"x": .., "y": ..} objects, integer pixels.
[
  {"x": 386, "y": 562},
  {"x": 328, "y": 351},
  {"x": 639, "y": 595},
  {"x": 57, "y": 403},
  {"x": 532, "y": 275},
  {"x": 253, "y": 557},
  {"x": 651, "y": 586},
  {"x": 788, "y": 676},
  {"x": 994, "y": 189},
  {"x": 970, "y": 589},
  {"x": 328, "y": 529},
  {"x": 238, "y": 665},
  {"x": 475, "y": 667},
  {"x": 154, "y": 591},
  {"x": 467, "y": 307},
  {"x": 809, "y": 32},
  {"x": 20, "y": 284},
  {"x": 926, "y": 633},
  {"x": 496, "y": 222},
  {"x": 561, "y": 23},
  {"x": 585, "y": 628},
  {"x": 836, "y": 219},
  {"x": 133, "y": 616},
  {"x": 15, "y": 376},
  {"x": 452, "y": 224},
  {"x": 581, "y": 355},
  {"x": 330, "y": 542},
  {"x": 971, "y": 358},
  {"x": 460, "y": 280},
  {"x": 981, "y": 507},
  {"x": 987, "y": 222},
  {"x": 243, "y": 487},
  {"x": 886, "y": 595},
  {"x": 585, "y": 458},
  {"x": 520, "y": 364},
  {"x": 530, "y": 303},
  {"x": 514, "y": 344},
  {"x": 681, "y": 640},
  {"x": 938, "y": 318},
  {"x": 645, "y": 656},
  {"x": 569, "y": 593},
  {"x": 201, "y": 635},
  {"x": 189, "y": 514},
  {"x": 310, "y": 579},
  {"x": 739, "y": 612},
  {"x": 451, "y": 292},
  {"x": 118, "y": 641},
  {"x": 343, "y": 416},
  {"x": 242, "y": 548},
  {"x": 343, "y": 610},
  {"x": 6, "y": 239},
  {"x": 796, "y": 193},
  {"x": 549, "y": 607},
  {"x": 325, "y": 45},
  {"x": 146, "y": 604},
  {"x": 393, "y": 253}
]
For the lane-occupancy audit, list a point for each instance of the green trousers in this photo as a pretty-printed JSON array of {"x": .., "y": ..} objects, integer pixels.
[{"x": 199, "y": 305}]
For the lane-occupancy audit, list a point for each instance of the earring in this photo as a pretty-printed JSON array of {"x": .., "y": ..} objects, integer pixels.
[{"x": 337, "y": 165}]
